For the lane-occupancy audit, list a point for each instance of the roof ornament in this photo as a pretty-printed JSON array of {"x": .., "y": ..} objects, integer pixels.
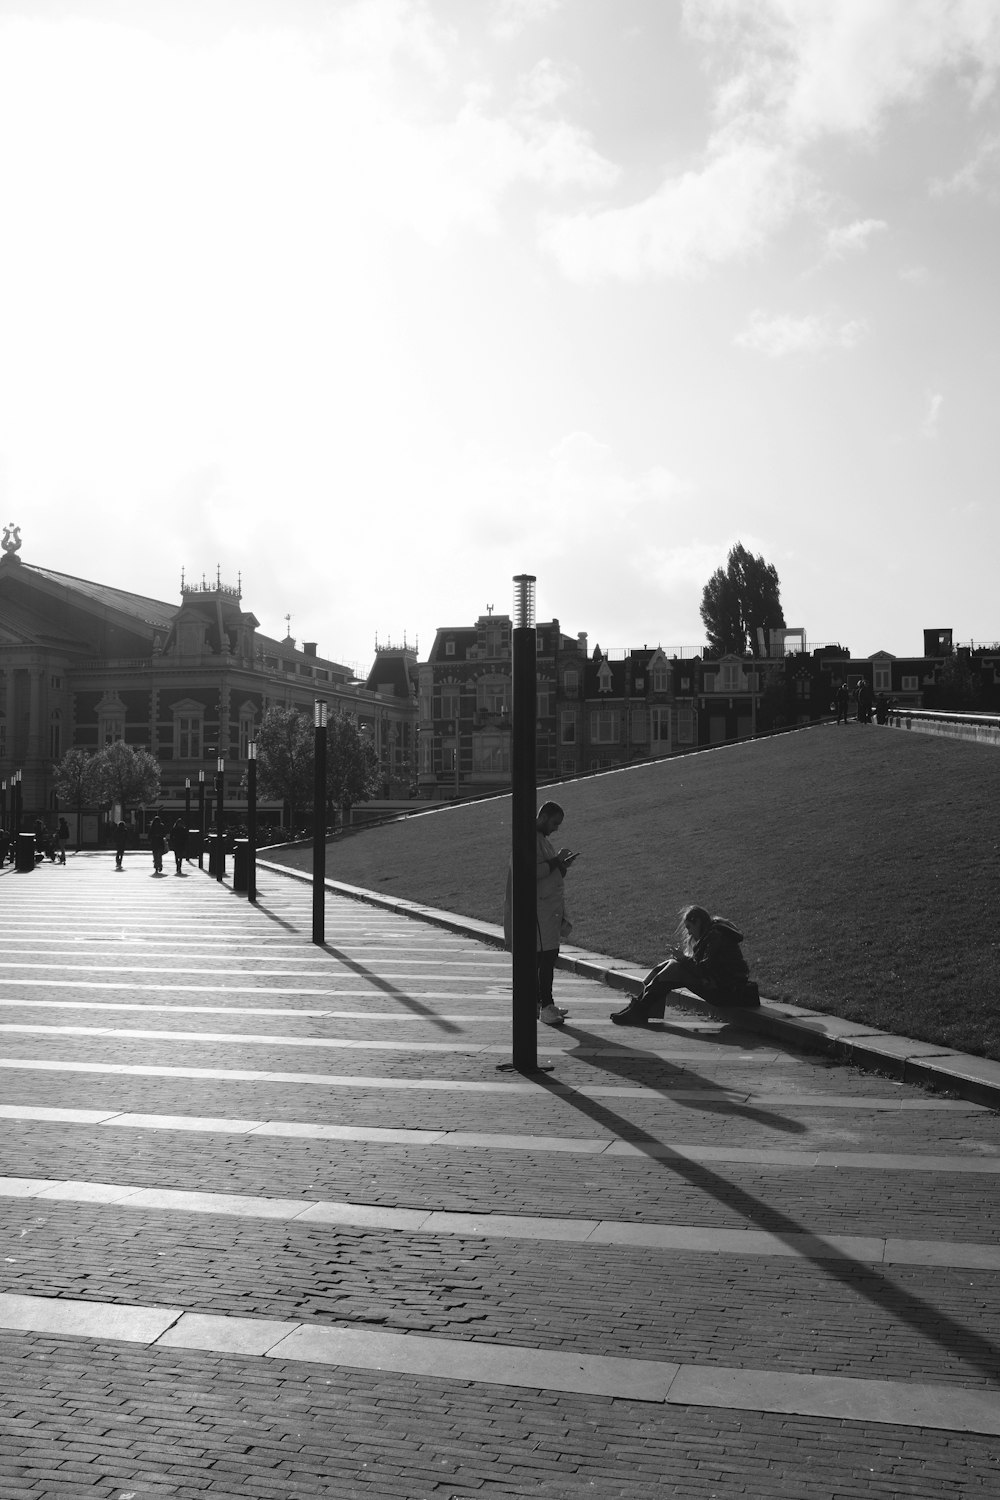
[{"x": 11, "y": 538}]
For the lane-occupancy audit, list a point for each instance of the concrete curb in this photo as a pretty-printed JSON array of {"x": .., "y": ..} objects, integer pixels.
[{"x": 974, "y": 1078}]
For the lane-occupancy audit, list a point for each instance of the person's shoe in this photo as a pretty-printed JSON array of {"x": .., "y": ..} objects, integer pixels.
[
  {"x": 632, "y": 1015},
  {"x": 552, "y": 1015}
]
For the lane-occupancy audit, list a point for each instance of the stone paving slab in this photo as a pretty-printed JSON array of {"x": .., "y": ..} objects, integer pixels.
[{"x": 691, "y": 1154}]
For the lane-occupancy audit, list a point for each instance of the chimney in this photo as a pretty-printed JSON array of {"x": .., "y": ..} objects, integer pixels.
[
  {"x": 309, "y": 648},
  {"x": 581, "y": 642}
]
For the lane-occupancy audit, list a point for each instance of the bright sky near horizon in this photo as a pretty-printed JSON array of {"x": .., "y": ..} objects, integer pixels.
[{"x": 380, "y": 302}]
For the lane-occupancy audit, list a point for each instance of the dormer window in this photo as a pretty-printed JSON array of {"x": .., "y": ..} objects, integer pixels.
[{"x": 604, "y": 679}]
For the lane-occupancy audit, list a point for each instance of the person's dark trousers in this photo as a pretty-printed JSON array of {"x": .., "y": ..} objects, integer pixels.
[{"x": 546, "y": 974}]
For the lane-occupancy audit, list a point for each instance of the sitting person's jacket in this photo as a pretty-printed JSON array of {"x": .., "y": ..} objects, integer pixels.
[{"x": 718, "y": 957}]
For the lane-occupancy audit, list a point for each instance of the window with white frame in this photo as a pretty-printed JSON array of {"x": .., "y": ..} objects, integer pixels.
[
  {"x": 883, "y": 679},
  {"x": 189, "y": 719},
  {"x": 661, "y": 677},
  {"x": 730, "y": 677},
  {"x": 659, "y": 725},
  {"x": 490, "y": 753},
  {"x": 110, "y": 720},
  {"x": 604, "y": 727},
  {"x": 604, "y": 678},
  {"x": 451, "y": 702},
  {"x": 544, "y": 700},
  {"x": 567, "y": 728},
  {"x": 911, "y": 684},
  {"x": 449, "y": 648},
  {"x": 571, "y": 682},
  {"x": 493, "y": 694},
  {"x": 684, "y": 722},
  {"x": 247, "y": 729}
]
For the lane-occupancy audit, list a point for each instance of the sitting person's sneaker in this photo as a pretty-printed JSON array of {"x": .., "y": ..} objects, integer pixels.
[{"x": 552, "y": 1015}]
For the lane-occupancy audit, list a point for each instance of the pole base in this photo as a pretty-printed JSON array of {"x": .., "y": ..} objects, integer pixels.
[{"x": 527, "y": 1072}]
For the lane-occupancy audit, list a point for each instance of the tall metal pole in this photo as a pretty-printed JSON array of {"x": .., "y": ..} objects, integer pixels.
[
  {"x": 220, "y": 842},
  {"x": 187, "y": 802},
  {"x": 522, "y": 830},
  {"x": 252, "y": 820},
  {"x": 201, "y": 820},
  {"x": 319, "y": 824}
]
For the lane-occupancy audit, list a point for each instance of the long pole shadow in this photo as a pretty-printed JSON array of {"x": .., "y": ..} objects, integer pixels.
[
  {"x": 956, "y": 1338},
  {"x": 363, "y": 972},
  {"x": 621, "y": 1061}
]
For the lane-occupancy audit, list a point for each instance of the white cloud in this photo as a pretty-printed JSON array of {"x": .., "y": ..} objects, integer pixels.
[
  {"x": 781, "y": 335},
  {"x": 511, "y": 17},
  {"x": 932, "y": 414},
  {"x": 787, "y": 75},
  {"x": 848, "y": 239},
  {"x": 980, "y": 174},
  {"x": 700, "y": 218}
]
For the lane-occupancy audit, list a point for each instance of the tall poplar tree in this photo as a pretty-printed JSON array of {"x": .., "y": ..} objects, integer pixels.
[{"x": 738, "y": 600}]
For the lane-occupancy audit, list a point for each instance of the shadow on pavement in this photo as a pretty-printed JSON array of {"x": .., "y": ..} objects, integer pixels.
[{"x": 958, "y": 1339}]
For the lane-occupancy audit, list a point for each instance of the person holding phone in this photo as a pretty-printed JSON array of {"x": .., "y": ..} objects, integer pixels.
[{"x": 551, "y": 921}]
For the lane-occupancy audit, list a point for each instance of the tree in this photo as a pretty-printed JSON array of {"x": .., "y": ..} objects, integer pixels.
[
  {"x": 77, "y": 783},
  {"x": 738, "y": 600},
  {"x": 286, "y": 760},
  {"x": 353, "y": 773},
  {"x": 127, "y": 776}
]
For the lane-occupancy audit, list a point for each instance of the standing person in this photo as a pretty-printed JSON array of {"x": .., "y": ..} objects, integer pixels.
[
  {"x": 842, "y": 698},
  {"x": 864, "y": 702},
  {"x": 4, "y": 846},
  {"x": 707, "y": 960},
  {"x": 178, "y": 843},
  {"x": 551, "y": 921},
  {"x": 157, "y": 841},
  {"x": 121, "y": 839},
  {"x": 62, "y": 834}
]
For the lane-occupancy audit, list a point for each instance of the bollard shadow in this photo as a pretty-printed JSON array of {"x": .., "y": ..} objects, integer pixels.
[{"x": 858, "y": 1277}]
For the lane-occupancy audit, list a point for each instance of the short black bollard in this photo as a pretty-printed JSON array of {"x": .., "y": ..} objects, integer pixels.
[
  {"x": 215, "y": 852},
  {"x": 24, "y": 852}
]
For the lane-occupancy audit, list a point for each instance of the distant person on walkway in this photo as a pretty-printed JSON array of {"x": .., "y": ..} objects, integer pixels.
[
  {"x": 157, "y": 842},
  {"x": 842, "y": 699},
  {"x": 881, "y": 709},
  {"x": 707, "y": 960},
  {"x": 62, "y": 834},
  {"x": 864, "y": 702},
  {"x": 551, "y": 923},
  {"x": 178, "y": 843},
  {"x": 121, "y": 839},
  {"x": 4, "y": 846}
]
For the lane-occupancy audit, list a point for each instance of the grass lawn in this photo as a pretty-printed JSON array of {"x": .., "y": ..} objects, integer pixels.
[{"x": 860, "y": 862}]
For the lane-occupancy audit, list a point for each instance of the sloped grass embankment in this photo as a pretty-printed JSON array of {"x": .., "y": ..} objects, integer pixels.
[{"x": 861, "y": 863}]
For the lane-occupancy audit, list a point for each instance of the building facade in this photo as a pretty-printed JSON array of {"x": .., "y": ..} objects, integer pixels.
[{"x": 83, "y": 664}]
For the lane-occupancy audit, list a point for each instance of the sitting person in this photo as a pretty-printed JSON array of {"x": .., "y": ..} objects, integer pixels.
[{"x": 707, "y": 961}]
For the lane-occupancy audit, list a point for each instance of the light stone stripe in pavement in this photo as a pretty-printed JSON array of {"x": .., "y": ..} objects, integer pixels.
[
  {"x": 461, "y": 1140},
  {"x": 857, "y": 1103},
  {"x": 684, "y": 1238},
  {"x": 690, "y": 1051},
  {"x": 662, "y": 1382}
]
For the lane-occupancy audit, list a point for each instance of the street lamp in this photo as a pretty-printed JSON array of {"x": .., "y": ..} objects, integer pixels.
[
  {"x": 319, "y": 822},
  {"x": 252, "y": 821},
  {"x": 187, "y": 802},
  {"x": 220, "y": 794},
  {"x": 522, "y": 830},
  {"x": 201, "y": 820}
]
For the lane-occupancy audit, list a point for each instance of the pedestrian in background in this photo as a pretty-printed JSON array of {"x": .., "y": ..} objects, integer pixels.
[
  {"x": 178, "y": 843},
  {"x": 121, "y": 839},
  {"x": 157, "y": 842}
]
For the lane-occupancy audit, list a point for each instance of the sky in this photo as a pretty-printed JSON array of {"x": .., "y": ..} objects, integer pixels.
[{"x": 374, "y": 304}]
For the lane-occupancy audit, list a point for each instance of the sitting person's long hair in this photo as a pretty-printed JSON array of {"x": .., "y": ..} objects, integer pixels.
[{"x": 685, "y": 942}]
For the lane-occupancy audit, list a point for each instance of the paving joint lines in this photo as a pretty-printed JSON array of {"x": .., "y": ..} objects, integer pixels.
[
  {"x": 660, "y": 1382},
  {"x": 974, "y": 1078}
]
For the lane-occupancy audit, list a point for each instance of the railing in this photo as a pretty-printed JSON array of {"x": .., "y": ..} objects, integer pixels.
[{"x": 984, "y": 729}]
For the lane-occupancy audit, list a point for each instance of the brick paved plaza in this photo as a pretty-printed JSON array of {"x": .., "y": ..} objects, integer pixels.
[{"x": 275, "y": 1225}]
